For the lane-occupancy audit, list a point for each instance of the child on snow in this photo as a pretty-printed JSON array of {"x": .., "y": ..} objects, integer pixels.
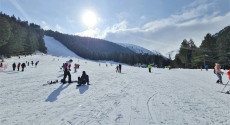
[{"x": 75, "y": 67}]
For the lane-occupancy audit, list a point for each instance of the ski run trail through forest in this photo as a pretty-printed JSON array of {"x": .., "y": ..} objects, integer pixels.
[{"x": 132, "y": 97}]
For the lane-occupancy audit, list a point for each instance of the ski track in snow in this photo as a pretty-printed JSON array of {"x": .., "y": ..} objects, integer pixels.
[{"x": 133, "y": 97}]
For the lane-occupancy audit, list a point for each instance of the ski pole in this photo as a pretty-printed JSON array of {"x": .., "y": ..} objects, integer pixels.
[{"x": 225, "y": 86}]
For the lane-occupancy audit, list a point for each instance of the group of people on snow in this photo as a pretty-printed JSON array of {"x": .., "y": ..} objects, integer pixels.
[
  {"x": 23, "y": 65},
  {"x": 118, "y": 68},
  {"x": 84, "y": 79},
  {"x": 219, "y": 73}
]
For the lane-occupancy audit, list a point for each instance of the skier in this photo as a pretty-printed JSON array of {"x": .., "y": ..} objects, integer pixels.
[
  {"x": 23, "y": 66},
  {"x": 19, "y": 64},
  {"x": 14, "y": 65},
  {"x": 67, "y": 70},
  {"x": 218, "y": 73},
  {"x": 83, "y": 79},
  {"x": 149, "y": 67},
  {"x": 32, "y": 63}
]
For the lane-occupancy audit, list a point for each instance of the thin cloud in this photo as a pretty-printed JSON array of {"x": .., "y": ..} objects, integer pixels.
[
  {"x": 19, "y": 8},
  {"x": 167, "y": 34}
]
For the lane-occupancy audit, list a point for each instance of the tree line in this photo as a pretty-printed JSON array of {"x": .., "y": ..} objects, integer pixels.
[
  {"x": 19, "y": 37},
  {"x": 99, "y": 49},
  {"x": 213, "y": 49}
]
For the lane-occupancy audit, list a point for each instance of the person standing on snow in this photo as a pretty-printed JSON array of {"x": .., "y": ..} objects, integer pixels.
[
  {"x": 19, "y": 64},
  {"x": 218, "y": 73},
  {"x": 23, "y": 66},
  {"x": 119, "y": 68},
  {"x": 36, "y": 63},
  {"x": 149, "y": 67},
  {"x": 75, "y": 67},
  {"x": 206, "y": 67},
  {"x": 14, "y": 66},
  {"x": 67, "y": 70}
]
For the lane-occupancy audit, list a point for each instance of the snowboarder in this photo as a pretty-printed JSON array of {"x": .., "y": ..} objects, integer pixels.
[
  {"x": 200, "y": 68},
  {"x": 83, "y": 79},
  {"x": 149, "y": 67},
  {"x": 14, "y": 66},
  {"x": 19, "y": 64},
  {"x": 23, "y": 66},
  {"x": 67, "y": 70},
  {"x": 218, "y": 73}
]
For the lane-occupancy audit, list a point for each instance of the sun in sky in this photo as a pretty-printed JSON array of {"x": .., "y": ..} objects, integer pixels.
[{"x": 89, "y": 19}]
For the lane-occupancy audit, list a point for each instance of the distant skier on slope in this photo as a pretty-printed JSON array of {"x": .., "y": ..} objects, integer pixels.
[
  {"x": 149, "y": 67},
  {"x": 218, "y": 73}
]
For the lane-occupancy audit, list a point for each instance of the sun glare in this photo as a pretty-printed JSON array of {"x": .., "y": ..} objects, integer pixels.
[{"x": 89, "y": 19}]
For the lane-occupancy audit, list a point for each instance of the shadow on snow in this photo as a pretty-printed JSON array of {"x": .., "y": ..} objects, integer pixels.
[
  {"x": 82, "y": 88},
  {"x": 53, "y": 96}
]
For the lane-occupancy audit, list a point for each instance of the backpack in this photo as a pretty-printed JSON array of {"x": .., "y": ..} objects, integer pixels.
[{"x": 65, "y": 65}]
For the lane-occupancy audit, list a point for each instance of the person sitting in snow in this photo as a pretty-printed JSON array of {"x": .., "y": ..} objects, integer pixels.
[
  {"x": 218, "y": 73},
  {"x": 83, "y": 79}
]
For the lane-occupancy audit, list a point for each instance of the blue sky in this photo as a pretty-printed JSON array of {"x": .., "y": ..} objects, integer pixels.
[{"x": 153, "y": 24}]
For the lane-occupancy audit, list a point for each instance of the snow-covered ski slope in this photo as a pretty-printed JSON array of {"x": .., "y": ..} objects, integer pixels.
[{"x": 133, "y": 97}]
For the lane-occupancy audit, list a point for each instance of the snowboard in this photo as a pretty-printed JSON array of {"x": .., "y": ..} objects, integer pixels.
[
  {"x": 51, "y": 82},
  {"x": 56, "y": 81}
]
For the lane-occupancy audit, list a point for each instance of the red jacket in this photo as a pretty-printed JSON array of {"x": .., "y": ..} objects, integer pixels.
[{"x": 228, "y": 73}]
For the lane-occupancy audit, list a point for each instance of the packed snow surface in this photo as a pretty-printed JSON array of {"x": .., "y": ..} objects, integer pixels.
[{"x": 132, "y": 97}]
